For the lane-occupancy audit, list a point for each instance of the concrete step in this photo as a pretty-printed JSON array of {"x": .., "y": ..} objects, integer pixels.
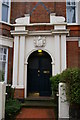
[
  {"x": 39, "y": 102},
  {"x": 39, "y": 98}
]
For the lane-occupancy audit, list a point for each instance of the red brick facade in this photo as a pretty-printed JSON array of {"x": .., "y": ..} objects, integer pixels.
[
  {"x": 19, "y": 93},
  {"x": 74, "y": 30},
  {"x": 73, "y": 50},
  {"x": 40, "y": 13},
  {"x": 5, "y": 30},
  {"x": 72, "y": 54},
  {"x": 39, "y": 27},
  {"x": 10, "y": 65}
]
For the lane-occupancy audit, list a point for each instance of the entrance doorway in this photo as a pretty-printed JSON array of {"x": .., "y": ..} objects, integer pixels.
[{"x": 39, "y": 72}]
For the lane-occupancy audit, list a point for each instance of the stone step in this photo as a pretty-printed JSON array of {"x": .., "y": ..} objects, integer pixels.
[
  {"x": 39, "y": 99},
  {"x": 39, "y": 102}
]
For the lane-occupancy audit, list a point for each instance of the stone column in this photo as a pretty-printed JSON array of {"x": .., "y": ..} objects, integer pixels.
[
  {"x": 26, "y": 80},
  {"x": 52, "y": 69},
  {"x": 21, "y": 61},
  {"x": 57, "y": 54},
  {"x": 63, "y": 52},
  {"x": 15, "y": 61}
]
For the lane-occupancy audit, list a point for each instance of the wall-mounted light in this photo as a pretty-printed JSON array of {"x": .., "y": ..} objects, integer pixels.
[{"x": 40, "y": 51}]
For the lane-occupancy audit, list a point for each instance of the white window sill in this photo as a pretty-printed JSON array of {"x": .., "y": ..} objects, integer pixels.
[
  {"x": 72, "y": 23},
  {"x": 7, "y": 23}
]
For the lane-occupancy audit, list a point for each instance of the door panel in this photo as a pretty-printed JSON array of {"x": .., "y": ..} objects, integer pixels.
[{"x": 39, "y": 72}]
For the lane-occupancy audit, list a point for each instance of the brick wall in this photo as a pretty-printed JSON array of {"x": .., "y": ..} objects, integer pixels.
[
  {"x": 40, "y": 27},
  {"x": 10, "y": 65},
  {"x": 73, "y": 51},
  {"x": 74, "y": 30},
  {"x": 5, "y": 30},
  {"x": 39, "y": 13},
  {"x": 17, "y": 10},
  {"x": 19, "y": 93},
  {"x": 79, "y": 57},
  {"x": 60, "y": 9},
  {"x": 72, "y": 54}
]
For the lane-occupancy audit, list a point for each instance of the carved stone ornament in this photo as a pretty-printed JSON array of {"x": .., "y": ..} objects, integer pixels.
[{"x": 39, "y": 41}]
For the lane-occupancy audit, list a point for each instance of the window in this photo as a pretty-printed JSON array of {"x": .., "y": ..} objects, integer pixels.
[
  {"x": 5, "y": 10},
  {"x": 3, "y": 63},
  {"x": 71, "y": 11}
]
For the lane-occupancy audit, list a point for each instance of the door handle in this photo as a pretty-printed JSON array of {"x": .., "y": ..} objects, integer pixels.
[
  {"x": 38, "y": 74},
  {"x": 38, "y": 71},
  {"x": 46, "y": 71}
]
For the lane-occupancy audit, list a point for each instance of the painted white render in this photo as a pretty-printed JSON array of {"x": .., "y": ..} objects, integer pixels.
[
  {"x": 15, "y": 61},
  {"x": 2, "y": 100},
  {"x": 63, "y": 108},
  {"x": 56, "y": 19},
  {"x": 24, "y": 20},
  {"x": 6, "y": 41},
  {"x": 26, "y": 42},
  {"x": 21, "y": 61}
]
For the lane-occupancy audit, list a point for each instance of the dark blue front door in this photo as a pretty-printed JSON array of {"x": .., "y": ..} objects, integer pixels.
[{"x": 39, "y": 72}]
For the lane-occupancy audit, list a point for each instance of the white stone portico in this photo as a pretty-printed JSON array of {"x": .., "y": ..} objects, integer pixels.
[{"x": 26, "y": 42}]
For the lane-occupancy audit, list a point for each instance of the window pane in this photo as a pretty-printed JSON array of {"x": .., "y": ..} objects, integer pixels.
[
  {"x": 1, "y": 75},
  {"x": 5, "y": 51},
  {"x": 5, "y": 2},
  {"x": 3, "y": 63},
  {"x": 70, "y": 2},
  {"x": 5, "y": 13},
  {"x": 71, "y": 17},
  {"x": 2, "y": 71},
  {"x": 0, "y": 57},
  {"x": 4, "y": 58},
  {"x": 3, "y": 66},
  {"x": 1, "y": 50},
  {"x": 71, "y": 10},
  {"x": 0, "y": 66}
]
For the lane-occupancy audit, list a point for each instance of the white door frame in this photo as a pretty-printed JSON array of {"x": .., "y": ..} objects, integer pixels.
[{"x": 26, "y": 63}]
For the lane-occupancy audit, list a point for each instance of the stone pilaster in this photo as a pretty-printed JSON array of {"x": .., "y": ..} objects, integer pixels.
[
  {"x": 21, "y": 61},
  {"x": 57, "y": 54},
  {"x": 15, "y": 61}
]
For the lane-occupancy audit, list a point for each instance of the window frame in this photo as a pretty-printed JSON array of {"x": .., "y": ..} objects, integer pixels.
[
  {"x": 6, "y": 62},
  {"x": 72, "y": 23},
  {"x": 9, "y": 9}
]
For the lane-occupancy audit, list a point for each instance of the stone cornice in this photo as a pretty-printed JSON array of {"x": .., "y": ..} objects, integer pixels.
[
  {"x": 2, "y": 22},
  {"x": 6, "y": 41},
  {"x": 7, "y": 38},
  {"x": 25, "y": 32},
  {"x": 64, "y": 31},
  {"x": 72, "y": 38},
  {"x": 39, "y": 24},
  {"x": 40, "y": 32},
  {"x": 49, "y": 32}
]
